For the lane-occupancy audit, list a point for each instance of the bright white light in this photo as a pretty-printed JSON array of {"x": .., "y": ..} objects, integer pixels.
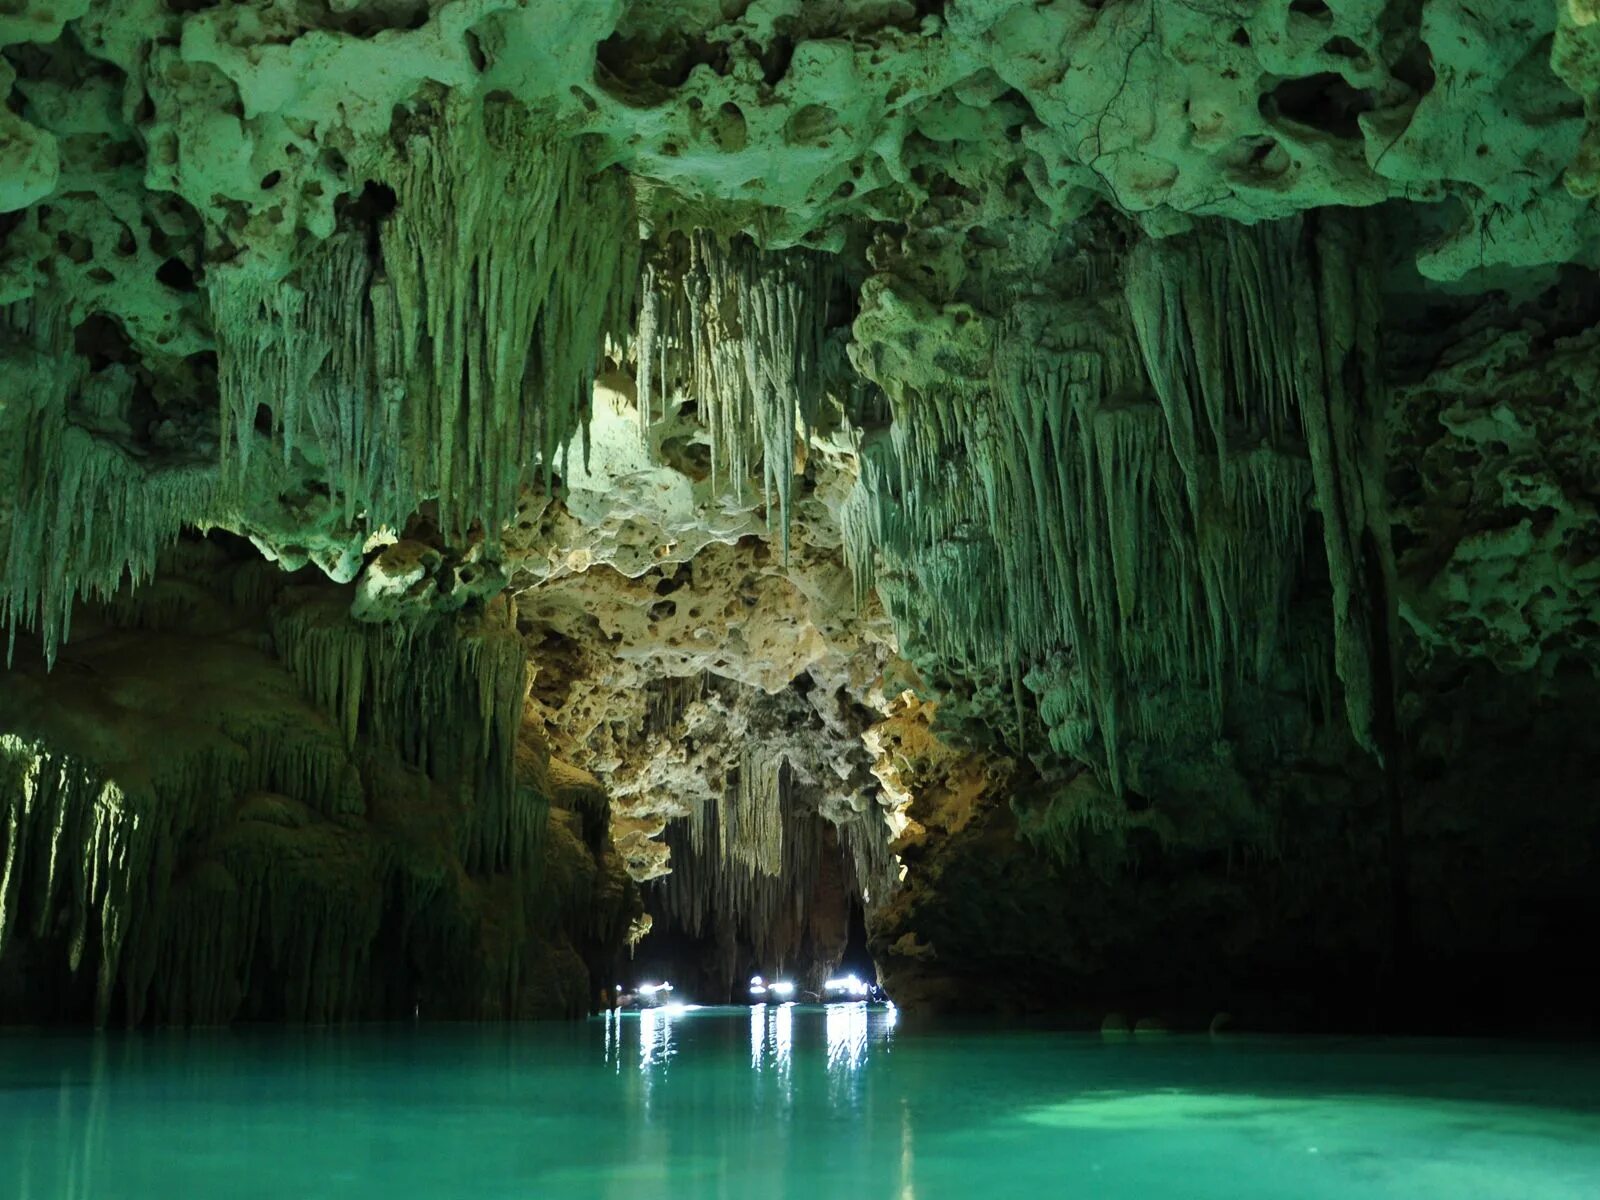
[
  {"x": 756, "y": 981},
  {"x": 650, "y": 989},
  {"x": 849, "y": 984},
  {"x": 783, "y": 989},
  {"x": 757, "y": 990},
  {"x": 677, "y": 1010}
]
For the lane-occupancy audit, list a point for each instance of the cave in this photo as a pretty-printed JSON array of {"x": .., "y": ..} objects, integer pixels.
[{"x": 688, "y": 597}]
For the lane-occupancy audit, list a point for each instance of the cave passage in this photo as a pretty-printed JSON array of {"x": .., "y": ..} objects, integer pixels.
[
  {"x": 715, "y": 967},
  {"x": 902, "y": 598}
]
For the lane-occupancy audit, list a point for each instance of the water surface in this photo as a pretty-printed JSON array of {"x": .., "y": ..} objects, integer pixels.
[{"x": 793, "y": 1101}]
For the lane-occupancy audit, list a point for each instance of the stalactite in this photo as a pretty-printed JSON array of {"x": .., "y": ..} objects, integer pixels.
[
  {"x": 462, "y": 355},
  {"x": 73, "y": 844},
  {"x": 751, "y": 828},
  {"x": 1058, "y": 517},
  {"x": 874, "y": 868},
  {"x": 755, "y": 853},
  {"x": 83, "y": 513},
  {"x": 746, "y": 334},
  {"x": 308, "y": 892},
  {"x": 667, "y": 703},
  {"x": 82, "y": 844},
  {"x": 446, "y": 697},
  {"x": 765, "y": 904},
  {"x": 246, "y": 869},
  {"x": 1274, "y": 328}
]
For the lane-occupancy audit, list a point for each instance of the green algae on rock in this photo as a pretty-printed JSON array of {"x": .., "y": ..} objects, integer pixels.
[{"x": 957, "y": 460}]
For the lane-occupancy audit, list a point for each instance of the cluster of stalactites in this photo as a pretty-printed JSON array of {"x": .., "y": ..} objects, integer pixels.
[
  {"x": 750, "y": 832},
  {"x": 1264, "y": 339},
  {"x": 1122, "y": 546},
  {"x": 459, "y": 355},
  {"x": 750, "y": 861},
  {"x": 71, "y": 845},
  {"x": 745, "y": 333},
  {"x": 445, "y": 696},
  {"x": 84, "y": 852},
  {"x": 272, "y": 821},
  {"x": 715, "y": 886},
  {"x": 79, "y": 513},
  {"x": 668, "y": 701},
  {"x": 314, "y": 901},
  {"x": 866, "y": 838}
]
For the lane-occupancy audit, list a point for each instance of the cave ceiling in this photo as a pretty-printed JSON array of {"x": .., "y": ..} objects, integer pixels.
[{"x": 868, "y": 408}]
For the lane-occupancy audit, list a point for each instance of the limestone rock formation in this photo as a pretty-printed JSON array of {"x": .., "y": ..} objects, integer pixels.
[
  {"x": 1105, "y": 487},
  {"x": 229, "y": 798}
]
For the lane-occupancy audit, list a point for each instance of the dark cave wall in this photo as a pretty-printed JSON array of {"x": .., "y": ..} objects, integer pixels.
[
  {"x": 1495, "y": 886},
  {"x": 1432, "y": 867},
  {"x": 198, "y": 828}
]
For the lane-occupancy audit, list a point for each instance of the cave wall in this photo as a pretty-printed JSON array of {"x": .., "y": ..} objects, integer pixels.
[
  {"x": 226, "y": 800},
  {"x": 1279, "y": 860},
  {"x": 1119, "y": 476}
]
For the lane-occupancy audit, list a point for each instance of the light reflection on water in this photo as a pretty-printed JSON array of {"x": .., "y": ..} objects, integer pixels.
[
  {"x": 771, "y": 1036},
  {"x": 786, "y": 1101},
  {"x": 849, "y": 1030},
  {"x": 655, "y": 1037},
  {"x": 783, "y": 1035},
  {"x": 847, "y": 1035}
]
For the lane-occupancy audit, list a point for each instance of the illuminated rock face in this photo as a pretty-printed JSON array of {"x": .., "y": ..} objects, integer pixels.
[{"x": 1134, "y": 461}]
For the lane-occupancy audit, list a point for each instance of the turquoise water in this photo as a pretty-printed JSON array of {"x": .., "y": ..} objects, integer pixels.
[{"x": 780, "y": 1102}]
